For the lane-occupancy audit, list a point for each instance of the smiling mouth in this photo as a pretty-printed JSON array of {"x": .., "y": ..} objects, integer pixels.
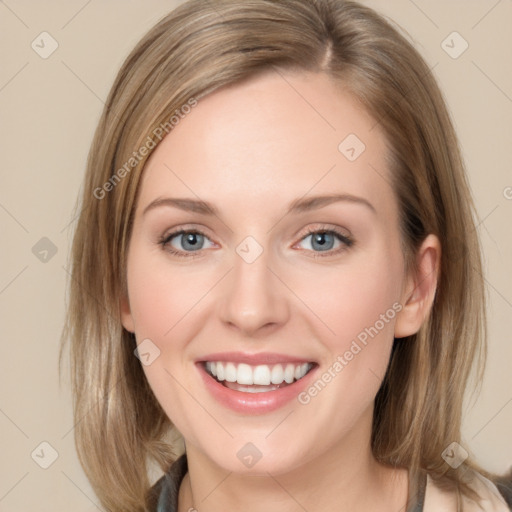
[{"x": 256, "y": 378}]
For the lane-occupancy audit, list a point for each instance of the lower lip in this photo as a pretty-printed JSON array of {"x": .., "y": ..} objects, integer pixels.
[{"x": 254, "y": 403}]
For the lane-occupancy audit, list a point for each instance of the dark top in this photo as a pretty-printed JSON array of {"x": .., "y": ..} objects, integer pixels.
[{"x": 164, "y": 494}]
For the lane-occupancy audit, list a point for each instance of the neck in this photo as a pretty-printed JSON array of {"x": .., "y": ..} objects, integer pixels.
[{"x": 345, "y": 478}]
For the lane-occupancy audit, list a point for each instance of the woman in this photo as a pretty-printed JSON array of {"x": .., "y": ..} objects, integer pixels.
[{"x": 276, "y": 264}]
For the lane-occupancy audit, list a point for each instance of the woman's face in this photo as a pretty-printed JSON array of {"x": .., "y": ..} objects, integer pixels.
[{"x": 292, "y": 261}]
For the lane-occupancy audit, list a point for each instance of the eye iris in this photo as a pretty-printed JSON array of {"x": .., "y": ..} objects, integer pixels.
[
  {"x": 319, "y": 238},
  {"x": 190, "y": 241}
]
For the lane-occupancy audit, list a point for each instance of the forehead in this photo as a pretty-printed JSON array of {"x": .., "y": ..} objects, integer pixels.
[{"x": 279, "y": 135}]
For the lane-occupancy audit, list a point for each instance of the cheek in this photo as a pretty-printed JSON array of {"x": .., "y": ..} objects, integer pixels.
[
  {"x": 355, "y": 298},
  {"x": 363, "y": 301},
  {"x": 163, "y": 303},
  {"x": 361, "y": 312},
  {"x": 161, "y": 297}
]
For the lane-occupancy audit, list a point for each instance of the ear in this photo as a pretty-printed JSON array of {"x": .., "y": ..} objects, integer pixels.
[
  {"x": 126, "y": 314},
  {"x": 419, "y": 289}
]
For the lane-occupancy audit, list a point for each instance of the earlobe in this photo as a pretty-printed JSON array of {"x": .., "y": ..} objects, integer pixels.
[
  {"x": 420, "y": 289},
  {"x": 126, "y": 314}
]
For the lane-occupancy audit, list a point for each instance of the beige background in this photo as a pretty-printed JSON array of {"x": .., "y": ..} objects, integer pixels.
[{"x": 49, "y": 109}]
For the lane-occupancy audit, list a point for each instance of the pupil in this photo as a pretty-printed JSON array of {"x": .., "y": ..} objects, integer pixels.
[
  {"x": 319, "y": 239},
  {"x": 191, "y": 241}
]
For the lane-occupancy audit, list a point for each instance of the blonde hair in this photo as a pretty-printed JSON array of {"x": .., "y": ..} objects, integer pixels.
[{"x": 197, "y": 48}]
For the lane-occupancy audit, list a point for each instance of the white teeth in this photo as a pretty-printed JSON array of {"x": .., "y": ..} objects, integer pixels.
[
  {"x": 220, "y": 371},
  {"x": 304, "y": 368},
  {"x": 243, "y": 374},
  {"x": 230, "y": 372},
  {"x": 212, "y": 368},
  {"x": 289, "y": 373},
  {"x": 301, "y": 370},
  {"x": 277, "y": 374},
  {"x": 262, "y": 374}
]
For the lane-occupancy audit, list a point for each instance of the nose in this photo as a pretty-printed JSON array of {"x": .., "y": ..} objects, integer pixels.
[{"x": 254, "y": 299}]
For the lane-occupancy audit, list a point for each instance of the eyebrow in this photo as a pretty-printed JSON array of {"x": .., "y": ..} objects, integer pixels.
[{"x": 300, "y": 205}]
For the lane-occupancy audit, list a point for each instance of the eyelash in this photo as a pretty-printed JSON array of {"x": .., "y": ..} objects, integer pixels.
[{"x": 344, "y": 239}]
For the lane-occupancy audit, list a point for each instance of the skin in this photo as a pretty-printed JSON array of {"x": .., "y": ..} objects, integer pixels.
[{"x": 250, "y": 150}]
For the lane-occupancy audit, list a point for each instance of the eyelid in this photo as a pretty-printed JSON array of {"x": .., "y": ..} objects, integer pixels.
[
  {"x": 324, "y": 228},
  {"x": 164, "y": 241},
  {"x": 193, "y": 228},
  {"x": 345, "y": 239}
]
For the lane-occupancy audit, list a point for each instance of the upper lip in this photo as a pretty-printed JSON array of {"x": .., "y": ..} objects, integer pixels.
[{"x": 254, "y": 359}]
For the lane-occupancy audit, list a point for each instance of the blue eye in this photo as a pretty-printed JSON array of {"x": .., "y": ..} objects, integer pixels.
[
  {"x": 327, "y": 241},
  {"x": 322, "y": 240},
  {"x": 189, "y": 243},
  {"x": 182, "y": 242}
]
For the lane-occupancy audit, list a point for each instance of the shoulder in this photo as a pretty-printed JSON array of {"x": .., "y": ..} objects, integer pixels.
[
  {"x": 438, "y": 499},
  {"x": 163, "y": 495}
]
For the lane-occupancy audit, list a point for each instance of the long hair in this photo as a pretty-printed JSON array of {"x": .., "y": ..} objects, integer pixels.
[{"x": 199, "y": 47}]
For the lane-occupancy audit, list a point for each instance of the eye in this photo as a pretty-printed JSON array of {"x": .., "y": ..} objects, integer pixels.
[
  {"x": 183, "y": 241},
  {"x": 329, "y": 241}
]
